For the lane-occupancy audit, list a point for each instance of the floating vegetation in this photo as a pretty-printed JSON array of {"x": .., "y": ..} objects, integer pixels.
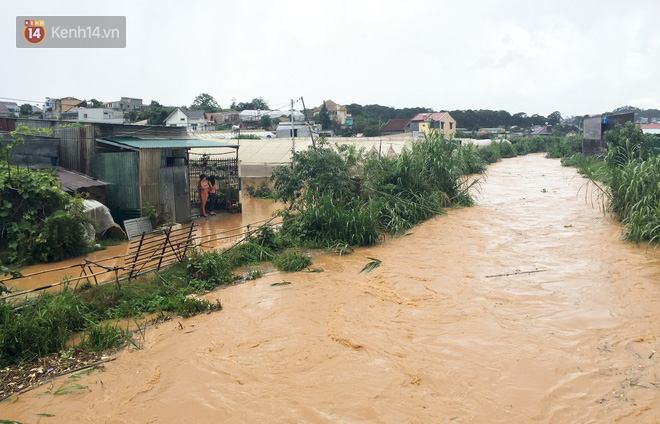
[{"x": 370, "y": 266}]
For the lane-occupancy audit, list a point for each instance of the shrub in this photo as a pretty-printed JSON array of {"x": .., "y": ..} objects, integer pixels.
[
  {"x": 63, "y": 235},
  {"x": 291, "y": 261},
  {"x": 248, "y": 253},
  {"x": 211, "y": 268},
  {"x": 490, "y": 153}
]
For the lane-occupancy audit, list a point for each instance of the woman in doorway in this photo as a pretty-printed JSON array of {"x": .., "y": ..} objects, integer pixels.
[
  {"x": 212, "y": 196},
  {"x": 203, "y": 192}
]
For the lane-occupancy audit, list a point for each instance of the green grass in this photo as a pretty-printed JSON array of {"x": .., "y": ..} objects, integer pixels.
[
  {"x": 45, "y": 324},
  {"x": 291, "y": 261}
]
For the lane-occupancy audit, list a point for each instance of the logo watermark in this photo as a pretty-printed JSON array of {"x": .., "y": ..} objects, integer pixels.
[{"x": 57, "y": 32}]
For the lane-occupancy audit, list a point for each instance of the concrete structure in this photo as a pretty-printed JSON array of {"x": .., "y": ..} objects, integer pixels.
[
  {"x": 126, "y": 104},
  {"x": 300, "y": 129},
  {"x": 193, "y": 120},
  {"x": 337, "y": 112},
  {"x": 54, "y": 108},
  {"x": 9, "y": 109},
  {"x": 100, "y": 115},
  {"x": 441, "y": 122},
  {"x": 595, "y": 126}
]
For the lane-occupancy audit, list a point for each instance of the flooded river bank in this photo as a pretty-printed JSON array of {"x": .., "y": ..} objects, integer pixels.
[{"x": 524, "y": 308}]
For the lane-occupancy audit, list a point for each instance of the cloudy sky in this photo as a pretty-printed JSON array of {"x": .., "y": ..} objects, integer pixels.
[{"x": 578, "y": 57}]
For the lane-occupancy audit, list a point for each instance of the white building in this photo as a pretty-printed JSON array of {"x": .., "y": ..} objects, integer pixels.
[
  {"x": 103, "y": 115},
  {"x": 193, "y": 120},
  {"x": 126, "y": 104},
  {"x": 651, "y": 128}
]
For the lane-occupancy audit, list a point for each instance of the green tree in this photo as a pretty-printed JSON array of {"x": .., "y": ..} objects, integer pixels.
[
  {"x": 205, "y": 102},
  {"x": 93, "y": 103},
  {"x": 38, "y": 221},
  {"x": 133, "y": 115},
  {"x": 155, "y": 114},
  {"x": 324, "y": 118},
  {"x": 372, "y": 131},
  {"x": 25, "y": 110},
  {"x": 265, "y": 122},
  {"x": 258, "y": 103},
  {"x": 554, "y": 118}
]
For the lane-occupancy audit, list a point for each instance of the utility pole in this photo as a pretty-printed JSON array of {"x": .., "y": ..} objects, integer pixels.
[
  {"x": 311, "y": 133},
  {"x": 293, "y": 138}
]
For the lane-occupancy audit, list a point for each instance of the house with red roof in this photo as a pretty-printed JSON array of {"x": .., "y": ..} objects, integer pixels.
[
  {"x": 394, "y": 126},
  {"x": 440, "y": 122},
  {"x": 651, "y": 128}
]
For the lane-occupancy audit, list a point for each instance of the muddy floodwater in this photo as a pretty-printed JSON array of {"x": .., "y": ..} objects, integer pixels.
[
  {"x": 526, "y": 308},
  {"x": 219, "y": 232}
]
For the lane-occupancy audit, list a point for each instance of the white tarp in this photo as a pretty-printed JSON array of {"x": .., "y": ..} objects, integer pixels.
[{"x": 100, "y": 214}]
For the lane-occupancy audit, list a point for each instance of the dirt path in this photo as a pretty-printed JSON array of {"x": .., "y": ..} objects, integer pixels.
[{"x": 427, "y": 337}]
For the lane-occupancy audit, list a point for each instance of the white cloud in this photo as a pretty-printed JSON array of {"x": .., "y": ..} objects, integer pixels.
[{"x": 576, "y": 57}]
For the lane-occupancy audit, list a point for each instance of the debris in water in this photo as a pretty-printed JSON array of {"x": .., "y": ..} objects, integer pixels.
[
  {"x": 283, "y": 283},
  {"x": 375, "y": 263}
]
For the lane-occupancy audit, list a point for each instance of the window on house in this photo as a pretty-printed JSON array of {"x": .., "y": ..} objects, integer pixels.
[
  {"x": 442, "y": 125},
  {"x": 451, "y": 125},
  {"x": 183, "y": 119},
  {"x": 85, "y": 115}
]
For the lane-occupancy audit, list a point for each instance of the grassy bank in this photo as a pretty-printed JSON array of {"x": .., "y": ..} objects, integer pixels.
[{"x": 629, "y": 177}]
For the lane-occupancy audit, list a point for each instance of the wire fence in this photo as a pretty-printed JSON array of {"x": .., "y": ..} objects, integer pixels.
[{"x": 146, "y": 254}]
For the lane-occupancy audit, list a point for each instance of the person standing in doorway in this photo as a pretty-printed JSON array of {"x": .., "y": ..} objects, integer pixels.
[
  {"x": 212, "y": 196},
  {"x": 203, "y": 192}
]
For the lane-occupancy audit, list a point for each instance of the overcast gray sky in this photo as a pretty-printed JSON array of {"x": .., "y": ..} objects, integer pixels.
[{"x": 578, "y": 57}]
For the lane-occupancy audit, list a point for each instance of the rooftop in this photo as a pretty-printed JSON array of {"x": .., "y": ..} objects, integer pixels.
[
  {"x": 395, "y": 125},
  {"x": 435, "y": 116},
  {"x": 167, "y": 143}
]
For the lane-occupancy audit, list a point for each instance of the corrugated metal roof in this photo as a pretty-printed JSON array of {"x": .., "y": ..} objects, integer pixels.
[
  {"x": 183, "y": 143},
  {"x": 72, "y": 181},
  {"x": 395, "y": 125},
  {"x": 436, "y": 116}
]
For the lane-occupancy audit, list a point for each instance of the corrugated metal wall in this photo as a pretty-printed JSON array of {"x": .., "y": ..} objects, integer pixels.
[
  {"x": 76, "y": 147},
  {"x": 121, "y": 171},
  {"x": 150, "y": 163}
]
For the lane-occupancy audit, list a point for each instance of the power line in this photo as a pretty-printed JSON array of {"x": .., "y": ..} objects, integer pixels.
[{"x": 23, "y": 100}]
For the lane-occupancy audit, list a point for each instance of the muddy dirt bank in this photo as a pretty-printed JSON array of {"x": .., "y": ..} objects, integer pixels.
[{"x": 437, "y": 333}]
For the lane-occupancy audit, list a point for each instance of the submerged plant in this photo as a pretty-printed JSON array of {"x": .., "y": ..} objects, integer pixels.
[{"x": 291, "y": 261}]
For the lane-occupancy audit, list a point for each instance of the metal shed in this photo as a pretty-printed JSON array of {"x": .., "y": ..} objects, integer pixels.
[{"x": 162, "y": 173}]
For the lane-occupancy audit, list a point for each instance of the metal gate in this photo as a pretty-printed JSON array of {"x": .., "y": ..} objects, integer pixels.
[{"x": 225, "y": 171}]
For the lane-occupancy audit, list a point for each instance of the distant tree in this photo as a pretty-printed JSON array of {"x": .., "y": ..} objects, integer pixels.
[
  {"x": 155, "y": 114},
  {"x": 324, "y": 117},
  {"x": 133, "y": 115},
  {"x": 265, "y": 122},
  {"x": 372, "y": 131},
  {"x": 258, "y": 103},
  {"x": 25, "y": 110},
  {"x": 554, "y": 118},
  {"x": 93, "y": 103},
  {"x": 205, "y": 102}
]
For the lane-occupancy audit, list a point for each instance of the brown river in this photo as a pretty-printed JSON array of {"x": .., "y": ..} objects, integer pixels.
[{"x": 453, "y": 326}]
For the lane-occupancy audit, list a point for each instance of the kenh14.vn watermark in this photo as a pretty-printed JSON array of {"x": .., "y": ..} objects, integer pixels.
[{"x": 53, "y": 32}]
